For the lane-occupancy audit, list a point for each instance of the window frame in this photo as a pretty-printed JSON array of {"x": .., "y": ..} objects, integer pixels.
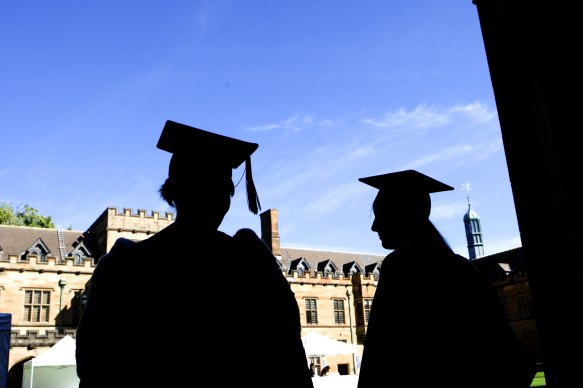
[
  {"x": 339, "y": 308},
  {"x": 36, "y": 311},
  {"x": 311, "y": 306}
]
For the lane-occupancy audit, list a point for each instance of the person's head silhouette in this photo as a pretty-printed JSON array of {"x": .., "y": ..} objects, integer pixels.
[
  {"x": 199, "y": 183},
  {"x": 402, "y": 205}
]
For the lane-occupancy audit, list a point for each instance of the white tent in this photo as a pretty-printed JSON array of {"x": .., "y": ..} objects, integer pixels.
[
  {"x": 54, "y": 368},
  {"x": 318, "y": 344}
]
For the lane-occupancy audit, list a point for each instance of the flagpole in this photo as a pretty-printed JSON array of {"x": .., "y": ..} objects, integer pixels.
[{"x": 351, "y": 337}]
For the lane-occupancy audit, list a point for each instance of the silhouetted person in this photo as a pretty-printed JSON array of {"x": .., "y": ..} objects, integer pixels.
[
  {"x": 190, "y": 292},
  {"x": 434, "y": 320},
  {"x": 313, "y": 369}
]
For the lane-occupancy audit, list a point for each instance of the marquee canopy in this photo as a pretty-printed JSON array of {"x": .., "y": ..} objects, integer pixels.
[{"x": 321, "y": 345}]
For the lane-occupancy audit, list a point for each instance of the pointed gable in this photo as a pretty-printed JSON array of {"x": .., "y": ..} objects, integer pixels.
[
  {"x": 39, "y": 249},
  {"x": 301, "y": 265},
  {"x": 327, "y": 267},
  {"x": 373, "y": 269},
  {"x": 351, "y": 268},
  {"x": 18, "y": 240},
  {"x": 80, "y": 253},
  {"x": 315, "y": 257}
]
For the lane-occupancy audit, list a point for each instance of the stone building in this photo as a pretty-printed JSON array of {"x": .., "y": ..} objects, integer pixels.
[
  {"x": 44, "y": 275},
  {"x": 507, "y": 272}
]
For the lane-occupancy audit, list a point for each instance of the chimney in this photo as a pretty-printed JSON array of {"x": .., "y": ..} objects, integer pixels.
[{"x": 269, "y": 231}]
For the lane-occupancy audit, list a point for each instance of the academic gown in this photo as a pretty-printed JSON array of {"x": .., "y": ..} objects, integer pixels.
[
  {"x": 435, "y": 320},
  {"x": 189, "y": 311}
]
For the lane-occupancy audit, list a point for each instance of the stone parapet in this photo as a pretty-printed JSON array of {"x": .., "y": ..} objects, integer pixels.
[
  {"x": 33, "y": 339},
  {"x": 51, "y": 264}
]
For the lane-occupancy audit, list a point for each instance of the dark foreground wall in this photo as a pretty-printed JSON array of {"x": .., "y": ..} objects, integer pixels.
[{"x": 532, "y": 49}]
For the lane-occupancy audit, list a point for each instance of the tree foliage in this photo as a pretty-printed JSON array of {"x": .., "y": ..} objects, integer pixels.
[{"x": 24, "y": 215}]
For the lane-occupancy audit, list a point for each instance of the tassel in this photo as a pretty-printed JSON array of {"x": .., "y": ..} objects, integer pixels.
[{"x": 252, "y": 197}]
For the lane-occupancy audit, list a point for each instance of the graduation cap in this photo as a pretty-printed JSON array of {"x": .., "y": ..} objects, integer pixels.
[
  {"x": 406, "y": 192},
  {"x": 407, "y": 181},
  {"x": 210, "y": 153}
]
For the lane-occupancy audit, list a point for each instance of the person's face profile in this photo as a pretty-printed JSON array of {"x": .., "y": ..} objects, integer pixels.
[{"x": 390, "y": 218}]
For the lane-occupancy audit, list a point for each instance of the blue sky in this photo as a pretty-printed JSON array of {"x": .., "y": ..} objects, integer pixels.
[{"x": 332, "y": 90}]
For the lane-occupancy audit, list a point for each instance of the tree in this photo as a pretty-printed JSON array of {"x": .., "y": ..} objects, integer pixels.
[
  {"x": 24, "y": 215},
  {"x": 7, "y": 214}
]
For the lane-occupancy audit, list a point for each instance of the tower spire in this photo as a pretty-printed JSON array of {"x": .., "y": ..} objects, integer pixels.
[
  {"x": 467, "y": 187},
  {"x": 473, "y": 228}
]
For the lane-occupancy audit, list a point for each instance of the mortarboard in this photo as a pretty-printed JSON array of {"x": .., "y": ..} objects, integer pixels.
[
  {"x": 407, "y": 181},
  {"x": 210, "y": 151}
]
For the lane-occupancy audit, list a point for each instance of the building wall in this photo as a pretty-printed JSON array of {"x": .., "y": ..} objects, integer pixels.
[
  {"x": 514, "y": 292},
  {"x": 325, "y": 289},
  {"x": 17, "y": 276},
  {"x": 113, "y": 224},
  {"x": 29, "y": 340}
]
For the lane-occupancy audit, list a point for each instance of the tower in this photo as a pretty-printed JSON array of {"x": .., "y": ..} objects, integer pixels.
[{"x": 473, "y": 229}]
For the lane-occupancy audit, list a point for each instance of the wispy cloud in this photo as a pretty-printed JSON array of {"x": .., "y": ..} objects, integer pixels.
[
  {"x": 444, "y": 154},
  {"x": 420, "y": 117},
  {"x": 476, "y": 111},
  {"x": 362, "y": 151},
  {"x": 340, "y": 149},
  {"x": 423, "y": 116},
  {"x": 329, "y": 201},
  {"x": 448, "y": 210},
  {"x": 297, "y": 122}
]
